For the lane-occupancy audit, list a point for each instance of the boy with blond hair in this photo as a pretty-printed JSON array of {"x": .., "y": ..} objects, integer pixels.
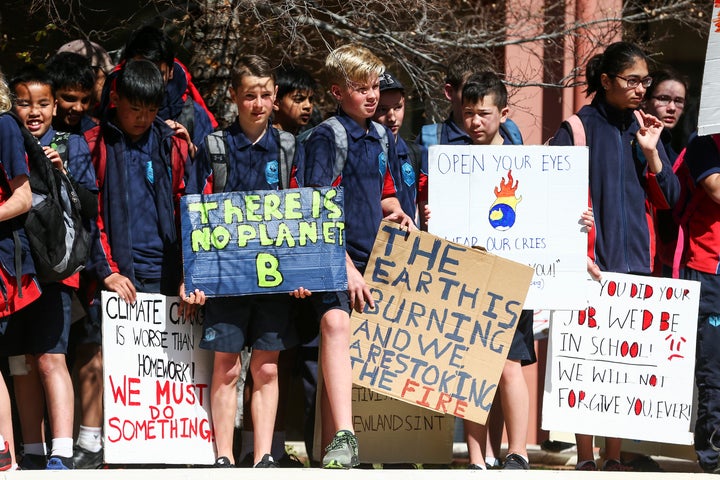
[{"x": 370, "y": 192}]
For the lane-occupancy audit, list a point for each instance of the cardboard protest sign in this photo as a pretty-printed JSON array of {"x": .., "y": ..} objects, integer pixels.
[
  {"x": 709, "y": 114},
  {"x": 444, "y": 317},
  {"x": 244, "y": 243},
  {"x": 391, "y": 431},
  {"x": 522, "y": 203},
  {"x": 624, "y": 366},
  {"x": 156, "y": 383}
]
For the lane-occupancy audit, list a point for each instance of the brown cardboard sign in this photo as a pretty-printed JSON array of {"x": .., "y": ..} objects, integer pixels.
[
  {"x": 391, "y": 431},
  {"x": 443, "y": 321}
]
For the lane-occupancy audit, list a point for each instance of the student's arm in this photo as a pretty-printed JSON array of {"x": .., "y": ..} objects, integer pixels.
[
  {"x": 357, "y": 288},
  {"x": 663, "y": 187},
  {"x": 20, "y": 200}
]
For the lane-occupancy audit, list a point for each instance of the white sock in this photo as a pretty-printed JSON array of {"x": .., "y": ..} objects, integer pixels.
[
  {"x": 247, "y": 445},
  {"x": 277, "y": 450},
  {"x": 62, "y": 447},
  {"x": 90, "y": 438},
  {"x": 2, "y": 442},
  {"x": 34, "y": 449},
  {"x": 492, "y": 461}
]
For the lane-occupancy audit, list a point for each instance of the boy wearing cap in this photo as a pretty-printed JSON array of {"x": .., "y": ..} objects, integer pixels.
[
  {"x": 411, "y": 157},
  {"x": 100, "y": 62}
]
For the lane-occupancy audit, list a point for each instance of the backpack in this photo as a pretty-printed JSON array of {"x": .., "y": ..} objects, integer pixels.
[
  {"x": 59, "y": 242},
  {"x": 415, "y": 157},
  {"x": 216, "y": 147},
  {"x": 341, "y": 142},
  {"x": 432, "y": 134}
]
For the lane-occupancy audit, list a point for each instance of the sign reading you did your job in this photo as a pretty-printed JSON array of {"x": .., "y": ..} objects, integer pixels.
[
  {"x": 624, "y": 366},
  {"x": 242, "y": 243},
  {"x": 519, "y": 202}
]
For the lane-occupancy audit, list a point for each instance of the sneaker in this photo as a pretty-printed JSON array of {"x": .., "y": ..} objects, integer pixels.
[
  {"x": 615, "y": 466},
  {"x": 223, "y": 462},
  {"x": 5, "y": 458},
  {"x": 515, "y": 462},
  {"x": 289, "y": 461},
  {"x": 32, "y": 461},
  {"x": 84, "y": 459},
  {"x": 342, "y": 451},
  {"x": 267, "y": 461},
  {"x": 56, "y": 462},
  {"x": 476, "y": 466},
  {"x": 643, "y": 463},
  {"x": 589, "y": 466}
]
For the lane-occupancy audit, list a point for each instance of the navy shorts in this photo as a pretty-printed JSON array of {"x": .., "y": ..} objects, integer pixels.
[
  {"x": 263, "y": 322},
  {"x": 326, "y": 301},
  {"x": 41, "y": 327},
  {"x": 522, "y": 347}
]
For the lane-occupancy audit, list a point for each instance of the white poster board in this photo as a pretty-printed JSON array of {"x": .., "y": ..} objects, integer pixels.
[
  {"x": 709, "y": 115},
  {"x": 519, "y": 202},
  {"x": 156, "y": 383},
  {"x": 624, "y": 367}
]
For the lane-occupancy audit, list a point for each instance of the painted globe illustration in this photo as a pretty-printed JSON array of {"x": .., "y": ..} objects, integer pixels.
[
  {"x": 502, "y": 216},
  {"x": 502, "y": 213}
]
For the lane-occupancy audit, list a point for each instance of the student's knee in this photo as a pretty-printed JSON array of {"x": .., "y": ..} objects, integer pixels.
[
  {"x": 51, "y": 364},
  {"x": 335, "y": 323},
  {"x": 226, "y": 367},
  {"x": 264, "y": 369}
]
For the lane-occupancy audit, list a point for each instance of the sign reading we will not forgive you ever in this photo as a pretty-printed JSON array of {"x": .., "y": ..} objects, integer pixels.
[
  {"x": 520, "y": 202},
  {"x": 156, "y": 383},
  {"x": 264, "y": 241},
  {"x": 624, "y": 366},
  {"x": 443, "y": 321}
]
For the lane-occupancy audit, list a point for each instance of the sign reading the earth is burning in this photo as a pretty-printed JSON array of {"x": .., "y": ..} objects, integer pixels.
[{"x": 520, "y": 202}]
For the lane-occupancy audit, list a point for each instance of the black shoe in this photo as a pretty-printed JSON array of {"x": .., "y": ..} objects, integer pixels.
[
  {"x": 266, "y": 461},
  {"x": 86, "y": 460},
  {"x": 223, "y": 462},
  {"x": 556, "y": 446},
  {"x": 56, "y": 462},
  {"x": 32, "y": 461},
  {"x": 289, "y": 461},
  {"x": 515, "y": 462}
]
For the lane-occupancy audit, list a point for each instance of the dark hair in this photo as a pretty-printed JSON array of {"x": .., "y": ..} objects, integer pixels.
[
  {"x": 141, "y": 82},
  {"x": 482, "y": 85},
  {"x": 253, "y": 65},
  {"x": 289, "y": 79},
  {"x": 152, "y": 44},
  {"x": 664, "y": 74},
  {"x": 30, "y": 74},
  {"x": 70, "y": 70},
  {"x": 616, "y": 58},
  {"x": 464, "y": 65}
]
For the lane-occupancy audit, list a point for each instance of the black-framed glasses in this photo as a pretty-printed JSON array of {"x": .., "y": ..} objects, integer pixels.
[
  {"x": 633, "y": 82},
  {"x": 663, "y": 100}
]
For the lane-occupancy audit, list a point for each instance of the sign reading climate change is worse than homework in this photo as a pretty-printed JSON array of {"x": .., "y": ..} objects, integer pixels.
[
  {"x": 519, "y": 202},
  {"x": 156, "y": 383},
  {"x": 242, "y": 243},
  {"x": 444, "y": 318},
  {"x": 624, "y": 366}
]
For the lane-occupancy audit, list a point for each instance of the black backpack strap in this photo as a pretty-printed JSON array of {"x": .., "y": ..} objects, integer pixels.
[
  {"x": 217, "y": 152},
  {"x": 415, "y": 156},
  {"x": 286, "y": 144},
  {"x": 187, "y": 116}
]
